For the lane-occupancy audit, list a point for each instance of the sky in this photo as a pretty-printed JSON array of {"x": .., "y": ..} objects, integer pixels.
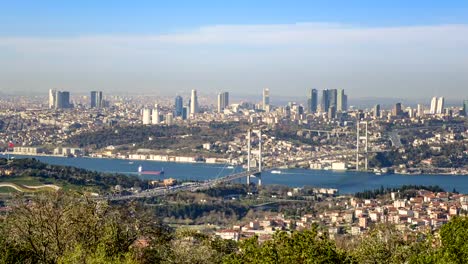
[{"x": 405, "y": 49}]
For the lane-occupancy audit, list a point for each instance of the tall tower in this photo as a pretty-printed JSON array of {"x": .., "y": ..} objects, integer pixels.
[
  {"x": 325, "y": 104},
  {"x": 377, "y": 111},
  {"x": 433, "y": 105},
  {"x": 96, "y": 99},
  {"x": 178, "y": 106},
  {"x": 465, "y": 108},
  {"x": 194, "y": 103},
  {"x": 223, "y": 101},
  {"x": 361, "y": 144},
  {"x": 146, "y": 116},
  {"x": 266, "y": 100},
  {"x": 52, "y": 99},
  {"x": 440, "y": 105},
  {"x": 420, "y": 110},
  {"x": 341, "y": 101},
  {"x": 312, "y": 101},
  {"x": 155, "y": 116}
]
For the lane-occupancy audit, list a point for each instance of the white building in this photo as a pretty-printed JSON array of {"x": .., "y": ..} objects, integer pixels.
[
  {"x": 194, "y": 103},
  {"x": 433, "y": 105},
  {"x": 146, "y": 116},
  {"x": 440, "y": 105},
  {"x": 155, "y": 117}
]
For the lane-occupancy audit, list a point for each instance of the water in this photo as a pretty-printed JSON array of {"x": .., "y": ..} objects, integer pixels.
[{"x": 345, "y": 182}]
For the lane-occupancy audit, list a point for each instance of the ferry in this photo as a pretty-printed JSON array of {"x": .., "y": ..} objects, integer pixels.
[
  {"x": 276, "y": 172},
  {"x": 143, "y": 172}
]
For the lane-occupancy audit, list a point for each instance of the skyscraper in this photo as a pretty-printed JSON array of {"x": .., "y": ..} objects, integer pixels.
[
  {"x": 62, "y": 100},
  {"x": 325, "y": 104},
  {"x": 433, "y": 105},
  {"x": 312, "y": 100},
  {"x": 341, "y": 101},
  {"x": 146, "y": 116},
  {"x": 397, "y": 110},
  {"x": 223, "y": 101},
  {"x": 377, "y": 111},
  {"x": 178, "y": 106},
  {"x": 169, "y": 119},
  {"x": 266, "y": 100},
  {"x": 96, "y": 99},
  {"x": 465, "y": 108},
  {"x": 420, "y": 110},
  {"x": 332, "y": 96},
  {"x": 440, "y": 105},
  {"x": 155, "y": 116},
  {"x": 194, "y": 103},
  {"x": 52, "y": 94}
]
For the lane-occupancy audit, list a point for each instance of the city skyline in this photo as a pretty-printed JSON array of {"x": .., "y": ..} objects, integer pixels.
[{"x": 208, "y": 50}]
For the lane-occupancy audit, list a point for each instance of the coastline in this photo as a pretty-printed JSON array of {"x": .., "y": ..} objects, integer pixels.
[{"x": 204, "y": 162}]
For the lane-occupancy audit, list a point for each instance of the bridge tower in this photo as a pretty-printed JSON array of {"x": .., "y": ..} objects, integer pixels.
[
  {"x": 361, "y": 144},
  {"x": 249, "y": 156}
]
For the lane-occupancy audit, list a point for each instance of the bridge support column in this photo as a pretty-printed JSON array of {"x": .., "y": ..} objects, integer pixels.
[{"x": 249, "y": 134}]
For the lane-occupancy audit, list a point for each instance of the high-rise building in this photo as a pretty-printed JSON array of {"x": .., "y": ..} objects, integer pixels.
[
  {"x": 325, "y": 103},
  {"x": 341, "y": 100},
  {"x": 155, "y": 116},
  {"x": 146, "y": 116},
  {"x": 96, "y": 99},
  {"x": 332, "y": 96},
  {"x": 312, "y": 100},
  {"x": 266, "y": 100},
  {"x": 185, "y": 112},
  {"x": 420, "y": 110},
  {"x": 169, "y": 119},
  {"x": 440, "y": 105},
  {"x": 377, "y": 111},
  {"x": 52, "y": 95},
  {"x": 223, "y": 101},
  {"x": 62, "y": 100},
  {"x": 465, "y": 108},
  {"x": 397, "y": 110},
  {"x": 331, "y": 112},
  {"x": 194, "y": 103},
  {"x": 433, "y": 109},
  {"x": 178, "y": 106}
]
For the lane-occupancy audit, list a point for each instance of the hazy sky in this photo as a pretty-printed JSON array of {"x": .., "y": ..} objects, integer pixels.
[{"x": 413, "y": 49}]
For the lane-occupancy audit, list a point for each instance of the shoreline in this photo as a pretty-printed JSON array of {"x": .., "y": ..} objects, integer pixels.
[{"x": 214, "y": 163}]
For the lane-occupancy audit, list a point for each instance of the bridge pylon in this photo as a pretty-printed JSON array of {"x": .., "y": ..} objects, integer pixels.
[{"x": 257, "y": 174}]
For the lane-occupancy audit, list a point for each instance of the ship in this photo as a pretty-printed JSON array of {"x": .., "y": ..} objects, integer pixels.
[
  {"x": 276, "y": 172},
  {"x": 145, "y": 172}
]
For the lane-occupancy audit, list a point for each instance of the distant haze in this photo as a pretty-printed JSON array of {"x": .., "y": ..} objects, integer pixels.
[{"x": 403, "y": 61}]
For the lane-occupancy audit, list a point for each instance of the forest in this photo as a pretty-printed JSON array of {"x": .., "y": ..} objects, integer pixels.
[{"x": 61, "y": 227}]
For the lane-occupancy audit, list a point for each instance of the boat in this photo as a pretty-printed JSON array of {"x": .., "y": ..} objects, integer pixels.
[
  {"x": 130, "y": 162},
  {"x": 276, "y": 172},
  {"x": 378, "y": 173},
  {"x": 144, "y": 172},
  {"x": 230, "y": 167}
]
